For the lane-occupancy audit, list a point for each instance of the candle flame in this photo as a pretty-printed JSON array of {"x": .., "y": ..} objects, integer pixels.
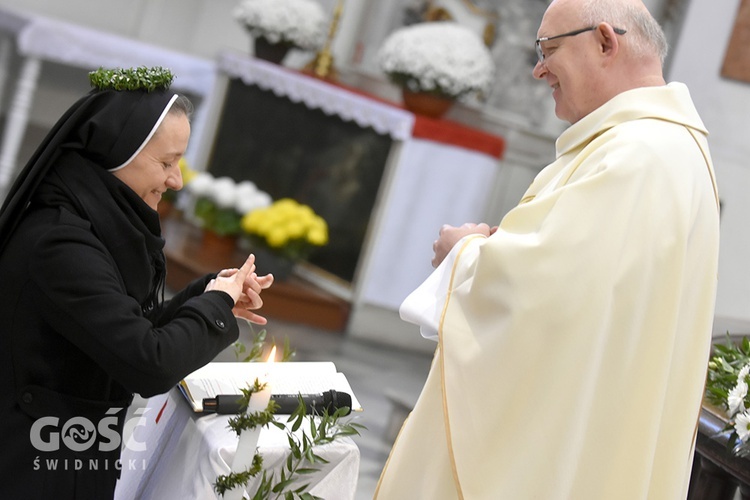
[{"x": 271, "y": 355}]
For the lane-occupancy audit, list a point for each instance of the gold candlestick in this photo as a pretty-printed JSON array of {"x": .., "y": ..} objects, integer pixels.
[{"x": 322, "y": 65}]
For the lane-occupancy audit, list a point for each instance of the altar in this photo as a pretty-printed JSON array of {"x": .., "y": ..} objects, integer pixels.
[
  {"x": 176, "y": 454},
  {"x": 384, "y": 178}
]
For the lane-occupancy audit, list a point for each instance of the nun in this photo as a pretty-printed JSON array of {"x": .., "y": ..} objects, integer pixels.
[{"x": 84, "y": 321}]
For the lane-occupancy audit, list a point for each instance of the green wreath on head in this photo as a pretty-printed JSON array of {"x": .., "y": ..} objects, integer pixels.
[{"x": 141, "y": 78}]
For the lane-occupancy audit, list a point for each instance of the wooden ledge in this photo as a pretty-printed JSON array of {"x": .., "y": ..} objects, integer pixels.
[{"x": 293, "y": 299}]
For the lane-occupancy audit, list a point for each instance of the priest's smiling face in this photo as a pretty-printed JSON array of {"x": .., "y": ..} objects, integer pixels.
[
  {"x": 156, "y": 168},
  {"x": 572, "y": 66}
]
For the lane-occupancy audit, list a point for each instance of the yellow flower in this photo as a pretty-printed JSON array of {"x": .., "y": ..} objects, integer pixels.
[
  {"x": 305, "y": 212},
  {"x": 266, "y": 226},
  {"x": 188, "y": 174},
  {"x": 287, "y": 226},
  {"x": 295, "y": 229},
  {"x": 306, "y": 217},
  {"x": 318, "y": 233},
  {"x": 285, "y": 204},
  {"x": 250, "y": 220},
  {"x": 277, "y": 237}
]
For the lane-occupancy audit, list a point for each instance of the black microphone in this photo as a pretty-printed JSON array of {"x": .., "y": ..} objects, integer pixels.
[{"x": 229, "y": 404}]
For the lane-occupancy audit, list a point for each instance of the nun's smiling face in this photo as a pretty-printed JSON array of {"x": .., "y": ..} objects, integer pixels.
[{"x": 155, "y": 169}]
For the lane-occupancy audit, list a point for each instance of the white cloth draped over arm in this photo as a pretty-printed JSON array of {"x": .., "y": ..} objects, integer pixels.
[{"x": 424, "y": 306}]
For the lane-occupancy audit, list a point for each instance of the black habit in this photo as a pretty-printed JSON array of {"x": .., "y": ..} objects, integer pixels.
[{"x": 84, "y": 323}]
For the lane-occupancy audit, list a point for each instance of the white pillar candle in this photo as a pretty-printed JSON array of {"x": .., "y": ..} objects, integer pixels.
[{"x": 248, "y": 439}]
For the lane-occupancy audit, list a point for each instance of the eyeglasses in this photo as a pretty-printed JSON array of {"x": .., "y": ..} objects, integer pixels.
[{"x": 540, "y": 53}]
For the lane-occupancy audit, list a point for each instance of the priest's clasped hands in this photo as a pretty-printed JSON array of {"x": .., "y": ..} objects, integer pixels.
[
  {"x": 244, "y": 286},
  {"x": 449, "y": 236}
]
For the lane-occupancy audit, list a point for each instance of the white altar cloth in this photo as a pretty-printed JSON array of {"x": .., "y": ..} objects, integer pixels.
[{"x": 176, "y": 454}]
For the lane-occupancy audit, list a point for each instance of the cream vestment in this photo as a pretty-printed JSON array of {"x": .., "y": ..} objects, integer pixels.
[{"x": 573, "y": 342}]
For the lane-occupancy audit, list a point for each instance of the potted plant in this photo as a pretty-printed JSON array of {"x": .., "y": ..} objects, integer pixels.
[
  {"x": 442, "y": 60},
  {"x": 219, "y": 206},
  {"x": 287, "y": 230},
  {"x": 727, "y": 387},
  {"x": 279, "y": 25}
]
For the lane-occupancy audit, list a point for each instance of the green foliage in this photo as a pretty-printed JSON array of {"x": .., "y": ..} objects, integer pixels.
[
  {"x": 726, "y": 362},
  {"x": 222, "y": 221},
  {"x": 288, "y": 353},
  {"x": 303, "y": 459},
  {"x": 245, "y": 420},
  {"x": 258, "y": 347},
  {"x": 235, "y": 479},
  {"x": 141, "y": 78}
]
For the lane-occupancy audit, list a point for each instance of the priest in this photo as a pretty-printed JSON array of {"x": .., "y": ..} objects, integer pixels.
[{"x": 573, "y": 338}]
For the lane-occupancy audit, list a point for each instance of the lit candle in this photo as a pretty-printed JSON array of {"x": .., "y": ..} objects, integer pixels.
[{"x": 248, "y": 439}]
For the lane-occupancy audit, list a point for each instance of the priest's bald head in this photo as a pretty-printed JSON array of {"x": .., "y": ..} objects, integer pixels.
[{"x": 591, "y": 50}]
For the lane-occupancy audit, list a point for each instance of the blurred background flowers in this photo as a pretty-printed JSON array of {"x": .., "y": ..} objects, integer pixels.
[
  {"x": 443, "y": 58},
  {"x": 280, "y": 233},
  {"x": 298, "y": 23},
  {"x": 220, "y": 202},
  {"x": 287, "y": 228}
]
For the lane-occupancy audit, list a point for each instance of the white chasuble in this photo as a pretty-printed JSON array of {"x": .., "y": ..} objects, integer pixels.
[{"x": 573, "y": 342}]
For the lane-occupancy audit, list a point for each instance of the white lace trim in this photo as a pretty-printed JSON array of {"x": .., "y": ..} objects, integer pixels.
[{"x": 316, "y": 94}]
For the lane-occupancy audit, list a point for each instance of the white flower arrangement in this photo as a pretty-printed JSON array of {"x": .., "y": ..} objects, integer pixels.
[
  {"x": 440, "y": 57},
  {"x": 742, "y": 428},
  {"x": 727, "y": 386},
  {"x": 228, "y": 208},
  {"x": 737, "y": 411},
  {"x": 220, "y": 203},
  {"x": 300, "y": 23}
]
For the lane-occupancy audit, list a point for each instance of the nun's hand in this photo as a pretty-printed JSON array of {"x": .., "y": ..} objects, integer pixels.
[
  {"x": 232, "y": 281},
  {"x": 250, "y": 299}
]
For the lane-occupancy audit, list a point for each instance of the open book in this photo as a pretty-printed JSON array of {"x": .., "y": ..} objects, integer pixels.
[{"x": 285, "y": 378}]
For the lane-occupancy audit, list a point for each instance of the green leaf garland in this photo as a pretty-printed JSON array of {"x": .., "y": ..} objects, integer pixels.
[{"x": 141, "y": 78}]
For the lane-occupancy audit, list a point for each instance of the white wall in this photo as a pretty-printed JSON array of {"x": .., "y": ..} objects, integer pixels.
[
  {"x": 199, "y": 27},
  {"x": 725, "y": 108},
  {"x": 195, "y": 26}
]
